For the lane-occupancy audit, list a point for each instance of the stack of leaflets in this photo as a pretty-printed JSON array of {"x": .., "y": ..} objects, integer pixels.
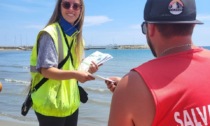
[{"x": 97, "y": 57}]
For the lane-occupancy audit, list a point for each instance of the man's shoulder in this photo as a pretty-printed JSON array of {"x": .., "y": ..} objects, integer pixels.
[{"x": 139, "y": 98}]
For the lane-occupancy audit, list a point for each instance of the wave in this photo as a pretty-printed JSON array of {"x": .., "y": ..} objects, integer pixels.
[
  {"x": 15, "y": 66},
  {"x": 12, "y": 71},
  {"x": 17, "y": 82},
  {"x": 17, "y": 117},
  {"x": 99, "y": 102},
  {"x": 97, "y": 90}
]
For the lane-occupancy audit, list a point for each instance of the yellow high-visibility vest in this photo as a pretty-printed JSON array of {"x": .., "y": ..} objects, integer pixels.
[{"x": 57, "y": 98}]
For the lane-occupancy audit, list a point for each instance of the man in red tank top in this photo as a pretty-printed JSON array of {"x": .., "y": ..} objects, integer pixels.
[{"x": 173, "y": 88}]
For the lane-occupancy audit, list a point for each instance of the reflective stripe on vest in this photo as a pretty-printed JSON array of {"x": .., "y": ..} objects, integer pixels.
[{"x": 60, "y": 48}]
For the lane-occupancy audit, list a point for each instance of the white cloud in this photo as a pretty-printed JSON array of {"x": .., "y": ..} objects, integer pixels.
[
  {"x": 203, "y": 17},
  {"x": 28, "y": 6},
  {"x": 136, "y": 26},
  {"x": 34, "y": 27},
  {"x": 29, "y": 1},
  {"x": 96, "y": 20},
  {"x": 16, "y": 7}
]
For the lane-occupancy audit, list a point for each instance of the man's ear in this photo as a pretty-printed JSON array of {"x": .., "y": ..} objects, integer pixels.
[{"x": 151, "y": 29}]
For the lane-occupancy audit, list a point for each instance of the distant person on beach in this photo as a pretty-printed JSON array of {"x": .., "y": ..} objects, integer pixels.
[
  {"x": 57, "y": 101},
  {"x": 173, "y": 88},
  {"x": 1, "y": 86}
]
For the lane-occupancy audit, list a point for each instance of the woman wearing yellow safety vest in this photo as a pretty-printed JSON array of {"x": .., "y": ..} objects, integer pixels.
[{"x": 57, "y": 101}]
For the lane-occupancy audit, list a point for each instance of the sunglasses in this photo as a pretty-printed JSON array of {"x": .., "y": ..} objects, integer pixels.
[
  {"x": 67, "y": 5},
  {"x": 144, "y": 28}
]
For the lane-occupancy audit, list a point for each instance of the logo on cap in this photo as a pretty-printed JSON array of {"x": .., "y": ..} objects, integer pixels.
[{"x": 176, "y": 7}]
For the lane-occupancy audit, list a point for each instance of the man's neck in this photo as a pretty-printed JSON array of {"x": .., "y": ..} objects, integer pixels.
[{"x": 175, "y": 45}]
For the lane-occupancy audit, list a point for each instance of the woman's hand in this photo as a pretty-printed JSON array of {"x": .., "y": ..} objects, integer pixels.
[
  {"x": 83, "y": 76},
  {"x": 93, "y": 67},
  {"x": 111, "y": 85}
]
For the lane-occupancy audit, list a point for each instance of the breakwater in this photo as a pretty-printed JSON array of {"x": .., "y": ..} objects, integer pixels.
[
  {"x": 118, "y": 47},
  {"x": 86, "y": 48}
]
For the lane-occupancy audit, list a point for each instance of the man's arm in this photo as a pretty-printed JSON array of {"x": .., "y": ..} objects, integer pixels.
[{"x": 132, "y": 103}]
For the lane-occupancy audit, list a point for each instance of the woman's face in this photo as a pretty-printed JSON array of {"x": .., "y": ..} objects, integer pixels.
[{"x": 70, "y": 10}]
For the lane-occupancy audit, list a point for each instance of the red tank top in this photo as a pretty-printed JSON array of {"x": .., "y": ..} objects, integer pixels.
[{"x": 180, "y": 85}]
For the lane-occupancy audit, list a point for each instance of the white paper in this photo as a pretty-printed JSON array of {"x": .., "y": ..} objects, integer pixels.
[
  {"x": 97, "y": 57},
  {"x": 101, "y": 78}
]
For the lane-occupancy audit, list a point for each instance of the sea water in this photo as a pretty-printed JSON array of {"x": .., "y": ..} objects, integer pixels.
[{"x": 15, "y": 77}]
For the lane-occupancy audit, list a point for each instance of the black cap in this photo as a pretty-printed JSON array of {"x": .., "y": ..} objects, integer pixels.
[{"x": 170, "y": 11}]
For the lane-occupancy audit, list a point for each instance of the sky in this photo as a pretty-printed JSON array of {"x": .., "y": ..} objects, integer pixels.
[{"x": 106, "y": 22}]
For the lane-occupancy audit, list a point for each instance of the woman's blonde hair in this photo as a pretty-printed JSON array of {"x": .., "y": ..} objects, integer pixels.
[{"x": 79, "y": 50}]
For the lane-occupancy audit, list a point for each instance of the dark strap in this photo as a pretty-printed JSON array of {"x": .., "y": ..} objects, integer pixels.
[
  {"x": 43, "y": 80},
  {"x": 69, "y": 47},
  {"x": 60, "y": 65}
]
